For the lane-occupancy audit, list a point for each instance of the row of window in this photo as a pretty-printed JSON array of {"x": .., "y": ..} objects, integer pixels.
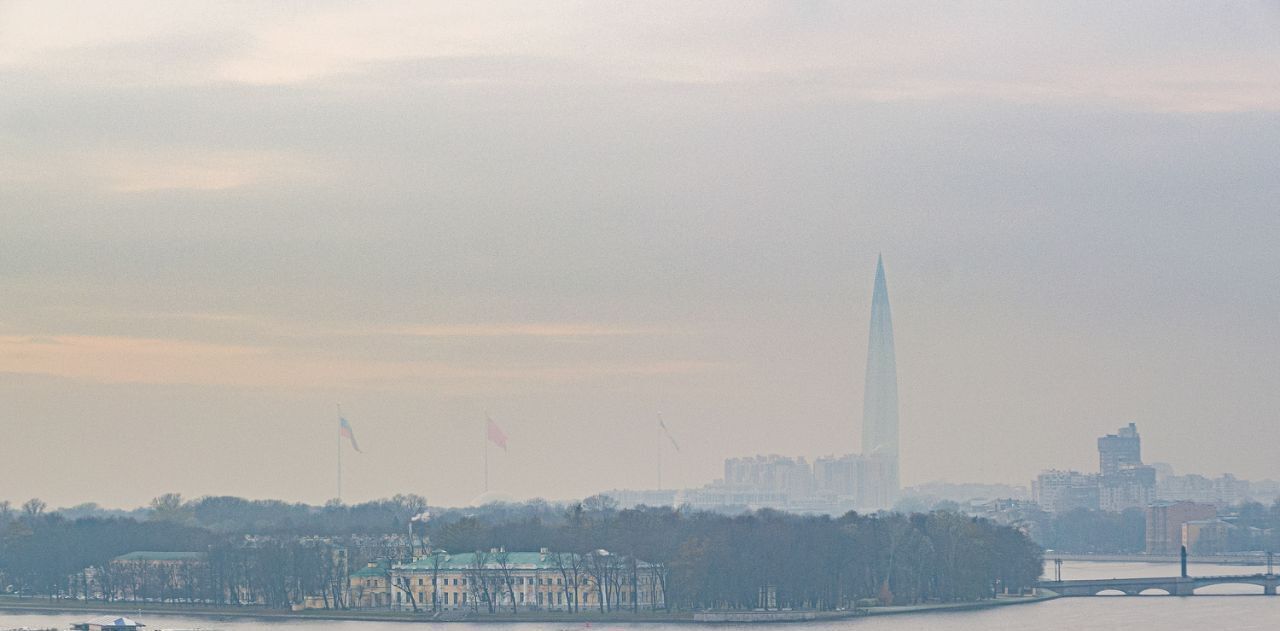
[
  {"x": 519, "y": 580},
  {"x": 555, "y": 598}
]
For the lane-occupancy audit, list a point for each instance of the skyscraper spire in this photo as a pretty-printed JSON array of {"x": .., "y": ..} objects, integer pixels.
[{"x": 880, "y": 397}]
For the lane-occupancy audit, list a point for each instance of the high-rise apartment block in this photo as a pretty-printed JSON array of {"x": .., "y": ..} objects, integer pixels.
[{"x": 1120, "y": 450}]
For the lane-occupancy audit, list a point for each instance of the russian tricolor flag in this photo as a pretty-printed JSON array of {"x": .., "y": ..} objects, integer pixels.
[{"x": 344, "y": 428}]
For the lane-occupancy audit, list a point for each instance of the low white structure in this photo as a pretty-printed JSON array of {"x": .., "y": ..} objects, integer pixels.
[{"x": 108, "y": 623}]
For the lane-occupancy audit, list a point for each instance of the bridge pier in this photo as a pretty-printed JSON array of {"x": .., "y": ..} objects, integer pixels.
[{"x": 1269, "y": 589}]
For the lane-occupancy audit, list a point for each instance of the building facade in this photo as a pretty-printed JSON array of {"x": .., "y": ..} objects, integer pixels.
[
  {"x": 1062, "y": 491},
  {"x": 502, "y": 581},
  {"x": 1205, "y": 536},
  {"x": 1165, "y": 520},
  {"x": 1129, "y": 487}
]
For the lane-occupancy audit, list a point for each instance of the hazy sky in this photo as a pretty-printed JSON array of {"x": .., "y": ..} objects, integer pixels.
[{"x": 218, "y": 221}]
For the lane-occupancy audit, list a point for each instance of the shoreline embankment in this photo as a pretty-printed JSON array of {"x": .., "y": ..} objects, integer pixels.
[{"x": 69, "y": 607}]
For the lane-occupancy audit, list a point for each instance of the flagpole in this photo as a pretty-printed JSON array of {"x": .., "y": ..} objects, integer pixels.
[
  {"x": 485, "y": 439},
  {"x": 339, "y": 456},
  {"x": 660, "y": 437}
]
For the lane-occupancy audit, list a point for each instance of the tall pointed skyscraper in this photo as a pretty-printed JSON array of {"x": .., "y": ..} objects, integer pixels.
[{"x": 880, "y": 397}]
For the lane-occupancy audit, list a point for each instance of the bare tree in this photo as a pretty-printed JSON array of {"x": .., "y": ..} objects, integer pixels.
[
  {"x": 437, "y": 558},
  {"x": 505, "y": 572},
  {"x": 477, "y": 581},
  {"x": 599, "y": 565},
  {"x": 33, "y": 508},
  {"x": 404, "y": 584},
  {"x": 569, "y": 565}
]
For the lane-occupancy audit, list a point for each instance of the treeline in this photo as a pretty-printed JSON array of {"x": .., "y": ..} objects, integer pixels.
[
  {"x": 711, "y": 560},
  {"x": 1086, "y": 531},
  {"x": 278, "y": 554},
  {"x": 40, "y": 551}
]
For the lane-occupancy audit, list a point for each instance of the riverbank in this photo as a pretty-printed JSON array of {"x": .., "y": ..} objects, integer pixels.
[{"x": 48, "y": 606}]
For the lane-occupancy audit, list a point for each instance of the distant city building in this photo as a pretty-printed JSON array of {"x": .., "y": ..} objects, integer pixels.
[
  {"x": 782, "y": 474},
  {"x": 1124, "y": 482},
  {"x": 1221, "y": 492},
  {"x": 1165, "y": 520},
  {"x": 838, "y": 476},
  {"x": 1120, "y": 450},
  {"x": 1062, "y": 491},
  {"x": 1130, "y": 487},
  {"x": 880, "y": 396}
]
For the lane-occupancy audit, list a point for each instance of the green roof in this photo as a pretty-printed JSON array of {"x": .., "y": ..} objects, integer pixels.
[
  {"x": 465, "y": 560},
  {"x": 380, "y": 568},
  {"x": 161, "y": 556}
]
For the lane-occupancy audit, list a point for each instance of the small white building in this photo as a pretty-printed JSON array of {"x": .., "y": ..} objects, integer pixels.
[{"x": 108, "y": 623}]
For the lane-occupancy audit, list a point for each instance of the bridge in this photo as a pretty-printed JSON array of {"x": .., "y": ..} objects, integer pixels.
[{"x": 1170, "y": 585}]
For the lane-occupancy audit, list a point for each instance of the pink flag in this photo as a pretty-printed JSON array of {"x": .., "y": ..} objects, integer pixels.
[{"x": 495, "y": 433}]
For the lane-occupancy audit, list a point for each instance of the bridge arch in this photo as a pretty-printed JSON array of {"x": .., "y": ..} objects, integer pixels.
[
  {"x": 1230, "y": 587},
  {"x": 1155, "y": 591},
  {"x": 1110, "y": 592}
]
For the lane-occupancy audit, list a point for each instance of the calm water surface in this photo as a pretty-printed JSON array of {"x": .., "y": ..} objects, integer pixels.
[{"x": 1226, "y": 609}]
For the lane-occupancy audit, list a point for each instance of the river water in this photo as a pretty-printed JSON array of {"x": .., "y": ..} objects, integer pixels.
[{"x": 1225, "y": 608}]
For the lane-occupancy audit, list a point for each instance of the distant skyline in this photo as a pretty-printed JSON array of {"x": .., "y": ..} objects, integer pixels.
[{"x": 217, "y": 221}]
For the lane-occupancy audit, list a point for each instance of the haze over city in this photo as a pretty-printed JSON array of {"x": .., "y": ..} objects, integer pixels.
[{"x": 218, "y": 225}]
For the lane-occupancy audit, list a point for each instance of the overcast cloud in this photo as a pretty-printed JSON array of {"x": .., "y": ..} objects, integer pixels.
[{"x": 218, "y": 221}]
